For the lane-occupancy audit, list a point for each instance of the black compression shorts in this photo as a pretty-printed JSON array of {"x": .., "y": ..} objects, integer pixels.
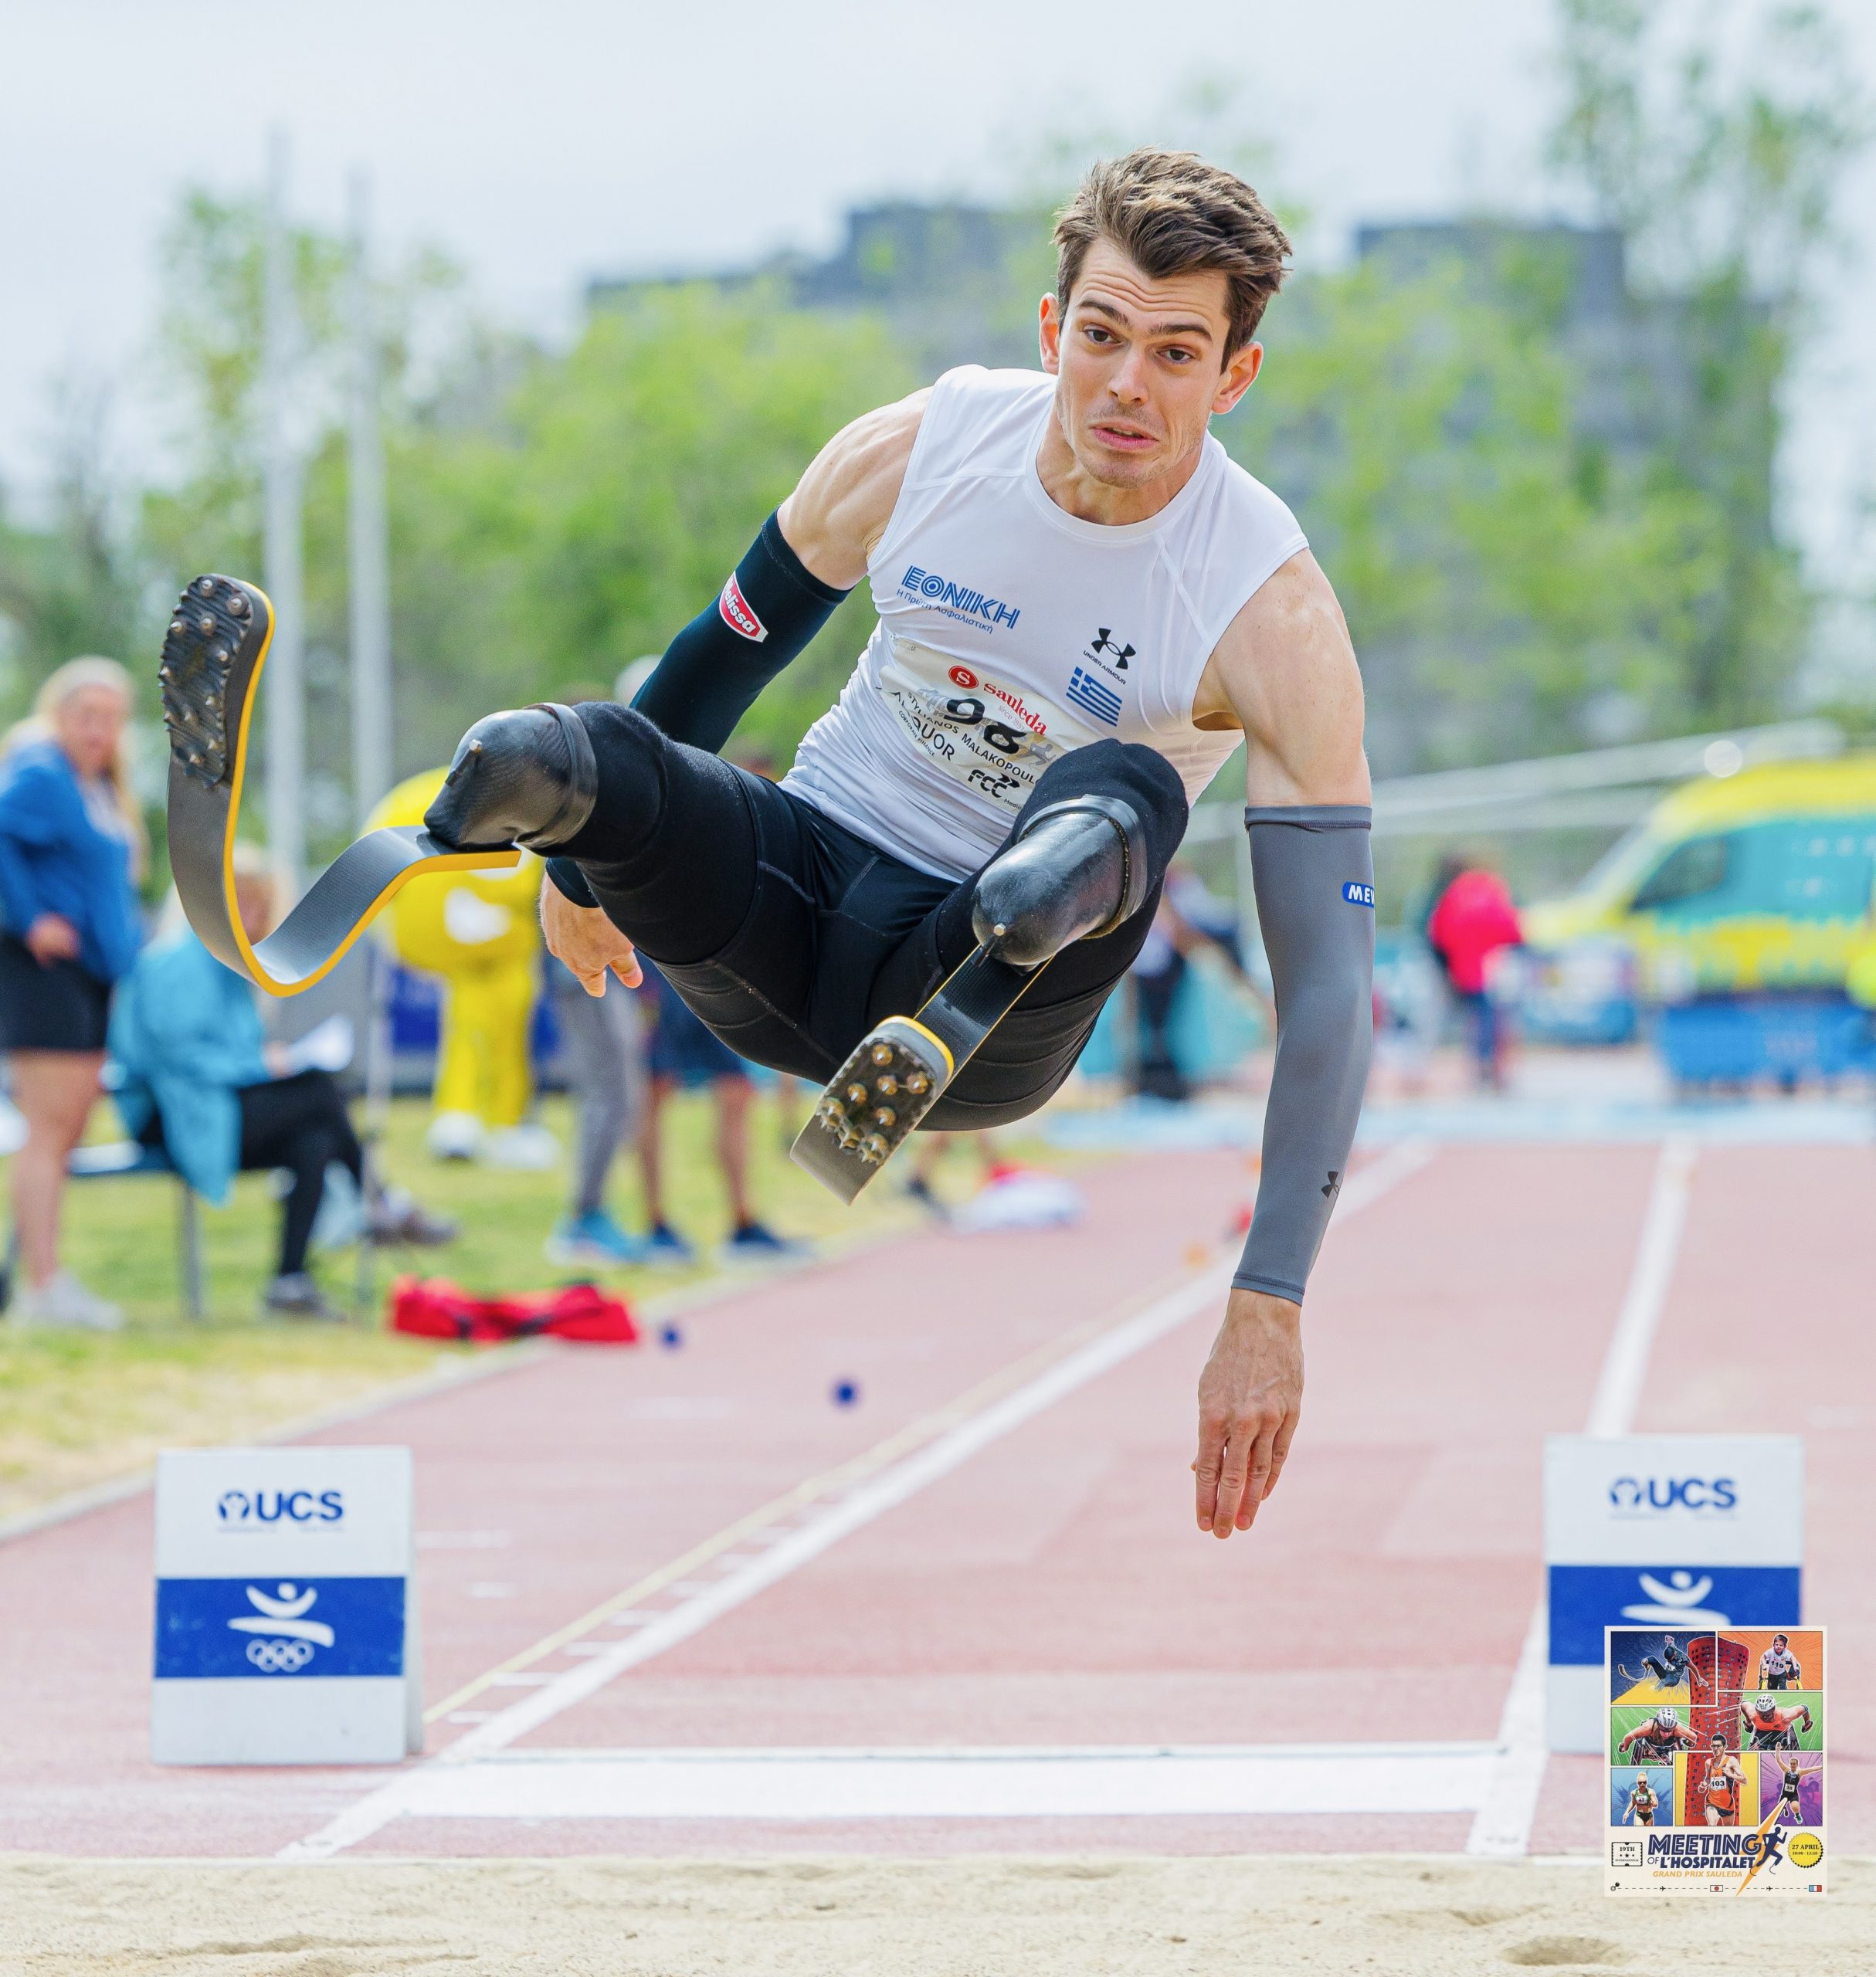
[{"x": 790, "y": 936}]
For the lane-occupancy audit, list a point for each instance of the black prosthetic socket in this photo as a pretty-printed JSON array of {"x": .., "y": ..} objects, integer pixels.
[
  {"x": 1078, "y": 868},
  {"x": 526, "y": 776}
]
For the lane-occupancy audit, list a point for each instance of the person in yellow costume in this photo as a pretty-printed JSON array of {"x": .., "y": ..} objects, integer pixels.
[{"x": 479, "y": 933}]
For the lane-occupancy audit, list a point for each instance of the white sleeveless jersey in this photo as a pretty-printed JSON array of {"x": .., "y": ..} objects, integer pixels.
[{"x": 1011, "y": 631}]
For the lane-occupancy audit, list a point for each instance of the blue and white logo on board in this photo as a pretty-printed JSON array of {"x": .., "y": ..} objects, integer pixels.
[
  {"x": 1662, "y": 1530},
  {"x": 210, "y": 1629},
  {"x": 1584, "y": 1599},
  {"x": 285, "y": 1609},
  {"x": 1652, "y": 1496},
  {"x": 237, "y": 1509}
]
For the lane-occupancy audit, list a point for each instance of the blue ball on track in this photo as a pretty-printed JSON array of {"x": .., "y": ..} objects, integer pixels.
[
  {"x": 670, "y": 1336},
  {"x": 846, "y": 1393}
]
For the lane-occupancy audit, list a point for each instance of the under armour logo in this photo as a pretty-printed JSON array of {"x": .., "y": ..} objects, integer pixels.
[
  {"x": 1333, "y": 1186},
  {"x": 1103, "y": 642}
]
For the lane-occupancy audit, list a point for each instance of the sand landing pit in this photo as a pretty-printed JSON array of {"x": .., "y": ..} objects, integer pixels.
[{"x": 1394, "y": 1915}]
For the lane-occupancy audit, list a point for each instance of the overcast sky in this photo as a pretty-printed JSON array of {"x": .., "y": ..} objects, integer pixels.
[{"x": 539, "y": 140}]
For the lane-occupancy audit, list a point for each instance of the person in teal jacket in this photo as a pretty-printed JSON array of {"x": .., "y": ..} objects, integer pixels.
[{"x": 199, "y": 1080}]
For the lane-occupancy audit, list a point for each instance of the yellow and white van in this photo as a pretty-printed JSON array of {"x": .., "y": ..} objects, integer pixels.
[{"x": 1757, "y": 882}]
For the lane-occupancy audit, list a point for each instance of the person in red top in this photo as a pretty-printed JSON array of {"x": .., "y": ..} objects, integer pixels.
[{"x": 1472, "y": 919}]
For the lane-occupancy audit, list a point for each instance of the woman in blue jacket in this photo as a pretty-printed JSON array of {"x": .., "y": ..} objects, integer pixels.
[
  {"x": 71, "y": 848},
  {"x": 199, "y": 1080}
]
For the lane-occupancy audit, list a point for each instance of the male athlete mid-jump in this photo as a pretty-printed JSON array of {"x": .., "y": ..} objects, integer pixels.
[{"x": 1084, "y": 607}]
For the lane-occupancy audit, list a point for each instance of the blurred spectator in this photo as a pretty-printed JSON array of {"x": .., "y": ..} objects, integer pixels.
[
  {"x": 684, "y": 1054},
  {"x": 200, "y": 1082},
  {"x": 928, "y": 1154},
  {"x": 1473, "y": 919},
  {"x": 602, "y": 1060},
  {"x": 71, "y": 849},
  {"x": 1189, "y": 917}
]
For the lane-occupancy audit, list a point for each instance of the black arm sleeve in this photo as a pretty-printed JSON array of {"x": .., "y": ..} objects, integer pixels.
[
  {"x": 1313, "y": 866},
  {"x": 765, "y": 616}
]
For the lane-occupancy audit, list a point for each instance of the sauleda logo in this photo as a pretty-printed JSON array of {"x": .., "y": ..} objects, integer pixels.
[
  {"x": 958, "y": 600},
  {"x": 237, "y": 1510}
]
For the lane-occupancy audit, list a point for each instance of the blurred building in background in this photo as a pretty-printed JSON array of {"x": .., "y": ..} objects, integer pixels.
[
  {"x": 1636, "y": 357},
  {"x": 949, "y": 278}
]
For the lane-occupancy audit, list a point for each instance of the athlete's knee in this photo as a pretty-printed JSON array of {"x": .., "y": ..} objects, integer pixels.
[
  {"x": 625, "y": 742},
  {"x": 1087, "y": 856},
  {"x": 1140, "y": 775}
]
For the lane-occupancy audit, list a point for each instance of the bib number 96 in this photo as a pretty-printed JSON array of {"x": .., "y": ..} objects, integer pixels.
[{"x": 969, "y": 711}]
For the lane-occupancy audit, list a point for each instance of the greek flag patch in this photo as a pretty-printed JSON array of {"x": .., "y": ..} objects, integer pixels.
[{"x": 1092, "y": 695}]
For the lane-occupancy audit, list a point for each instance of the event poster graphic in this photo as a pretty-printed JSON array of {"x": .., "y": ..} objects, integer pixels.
[{"x": 1715, "y": 1760}]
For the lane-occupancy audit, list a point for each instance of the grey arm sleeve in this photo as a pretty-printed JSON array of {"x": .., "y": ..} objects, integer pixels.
[{"x": 1313, "y": 866}]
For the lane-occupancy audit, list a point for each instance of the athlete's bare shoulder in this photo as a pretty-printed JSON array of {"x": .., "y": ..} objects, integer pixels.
[
  {"x": 1285, "y": 671},
  {"x": 840, "y": 508}
]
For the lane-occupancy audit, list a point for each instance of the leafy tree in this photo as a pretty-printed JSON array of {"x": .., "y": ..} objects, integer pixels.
[
  {"x": 1501, "y": 577},
  {"x": 544, "y": 549},
  {"x": 70, "y": 585},
  {"x": 1720, "y": 174}
]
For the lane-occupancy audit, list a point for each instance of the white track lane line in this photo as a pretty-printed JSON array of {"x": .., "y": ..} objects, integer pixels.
[
  {"x": 822, "y": 1527},
  {"x": 1501, "y": 1828}
]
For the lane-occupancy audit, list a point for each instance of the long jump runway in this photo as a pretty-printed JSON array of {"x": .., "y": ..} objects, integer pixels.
[{"x": 677, "y": 1601}]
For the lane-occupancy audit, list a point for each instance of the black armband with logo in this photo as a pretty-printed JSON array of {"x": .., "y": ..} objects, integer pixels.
[
  {"x": 1313, "y": 866},
  {"x": 711, "y": 673}
]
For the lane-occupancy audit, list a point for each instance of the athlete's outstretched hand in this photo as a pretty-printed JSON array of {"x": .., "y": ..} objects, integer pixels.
[
  {"x": 1250, "y": 1394},
  {"x": 587, "y": 941}
]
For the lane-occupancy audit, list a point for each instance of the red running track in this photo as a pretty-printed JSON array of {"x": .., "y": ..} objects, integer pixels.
[{"x": 1047, "y": 1589}]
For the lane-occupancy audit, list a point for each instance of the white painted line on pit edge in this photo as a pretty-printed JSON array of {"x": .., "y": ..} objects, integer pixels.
[
  {"x": 1066, "y": 1782},
  {"x": 1502, "y": 1826},
  {"x": 826, "y": 1526}
]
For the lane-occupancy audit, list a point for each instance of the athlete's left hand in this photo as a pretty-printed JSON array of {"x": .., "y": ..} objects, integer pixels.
[
  {"x": 1250, "y": 1396},
  {"x": 588, "y": 942}
]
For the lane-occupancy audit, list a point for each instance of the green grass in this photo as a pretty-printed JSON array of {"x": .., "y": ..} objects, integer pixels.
[{"x": 77, "y": 1410}]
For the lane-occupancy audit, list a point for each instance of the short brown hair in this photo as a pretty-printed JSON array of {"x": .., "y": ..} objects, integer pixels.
[{"x": 1173, "y": 214}]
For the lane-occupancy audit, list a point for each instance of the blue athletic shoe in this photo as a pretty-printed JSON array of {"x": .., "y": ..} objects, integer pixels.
[
  {"x": 756, "y": 1243},
  {"x": 668, "y": 1250},
  {"x": 593, "y": 1240}
]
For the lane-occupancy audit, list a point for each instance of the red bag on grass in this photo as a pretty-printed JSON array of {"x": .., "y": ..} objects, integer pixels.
[{"x": 433, "y": 1307}]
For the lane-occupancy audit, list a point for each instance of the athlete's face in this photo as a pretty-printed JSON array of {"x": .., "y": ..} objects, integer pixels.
[{"x": 1143, "y": 367}]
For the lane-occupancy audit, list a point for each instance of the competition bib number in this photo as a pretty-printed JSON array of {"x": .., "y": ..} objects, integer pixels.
[{"x": 993, "y": 743}]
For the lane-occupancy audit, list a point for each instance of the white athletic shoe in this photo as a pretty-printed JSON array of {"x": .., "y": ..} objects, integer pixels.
[
  {"x": 454, "y": 1136},
  {"x": 526, "y": 1149},
  {"x": 62, "y": 1300}
]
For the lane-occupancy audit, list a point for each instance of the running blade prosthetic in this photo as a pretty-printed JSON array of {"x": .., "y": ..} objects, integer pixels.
[
  {"x": 212, "y": 657},
  {"x": 875, "y": 1101}
]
